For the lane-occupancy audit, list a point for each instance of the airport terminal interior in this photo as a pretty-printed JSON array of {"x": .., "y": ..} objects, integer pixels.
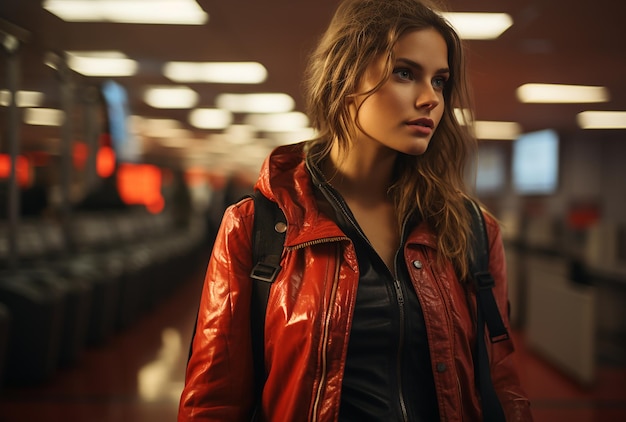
[{"x": 113, "y": 181}]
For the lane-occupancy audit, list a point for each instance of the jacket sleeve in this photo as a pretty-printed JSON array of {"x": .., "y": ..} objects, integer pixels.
[
  {"x": 504, "y": 369},
  {"x": 219, "y": 376}
]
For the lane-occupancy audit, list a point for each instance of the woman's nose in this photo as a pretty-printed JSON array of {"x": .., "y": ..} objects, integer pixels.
[{"x": 427, "y": 97}]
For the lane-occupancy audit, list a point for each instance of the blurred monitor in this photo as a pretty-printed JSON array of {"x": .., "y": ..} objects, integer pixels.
[
  {"x": 117, "y": 111},
  {"x": 491, "y": 171},
  {"x": 535, "y": 163}
]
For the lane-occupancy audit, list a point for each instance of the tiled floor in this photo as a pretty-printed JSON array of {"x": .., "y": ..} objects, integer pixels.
[{"x": 137, "y": 377}]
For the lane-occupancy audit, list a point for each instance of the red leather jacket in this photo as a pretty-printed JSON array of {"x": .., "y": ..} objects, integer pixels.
[{"x": 309, "y": 316}]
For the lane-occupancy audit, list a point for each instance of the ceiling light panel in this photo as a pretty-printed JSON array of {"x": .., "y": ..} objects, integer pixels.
[
  {"x": 602, "y": 119},
  {"x": 463, "y": 116},
  {"x": 101, "y": 63},
  {"x": 22, "y": 98},
  {"x": 497, "y": 130},
  {"x": 559, "y": 93},
  {"x": 166, "y": 97},
  {"x": 278, "y": 122},
  {"x": 256, "y": 103},
  {"x": 172, "y": 12},
  {"x": 479, "y": 26},
  {"x": 210, "y": 118},
  {"x": 216, "y": 72},
  {"x": 44, "y": 117},
  {"x": 492, "y": 130}
]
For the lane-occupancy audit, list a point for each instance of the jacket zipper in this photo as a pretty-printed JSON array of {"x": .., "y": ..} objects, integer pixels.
[
  {"x": 326, "y": 329},
  {"x": 400, "y": 300},
  {"x": 397, "y": 287},
  {"x": 401, "y": 315},
  {"x": 324, "y": 357},
  {"x": 317, "y": 242}
]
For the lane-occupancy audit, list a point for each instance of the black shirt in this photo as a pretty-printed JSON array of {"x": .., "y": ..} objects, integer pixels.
[{"x": 388, "y": 372}]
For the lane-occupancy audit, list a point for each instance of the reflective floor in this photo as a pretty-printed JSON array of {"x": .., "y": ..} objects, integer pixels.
[{"x": 137, "y": 376}]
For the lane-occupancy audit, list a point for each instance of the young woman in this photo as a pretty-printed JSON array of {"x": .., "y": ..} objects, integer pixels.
[{"x": 372, "y": 316}]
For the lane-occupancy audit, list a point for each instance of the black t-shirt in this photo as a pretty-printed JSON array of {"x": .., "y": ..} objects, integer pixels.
[{"x": 388, "y": 372}]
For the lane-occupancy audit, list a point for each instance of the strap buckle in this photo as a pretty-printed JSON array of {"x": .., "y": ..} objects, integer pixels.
[{"x": 263, "y": 271}]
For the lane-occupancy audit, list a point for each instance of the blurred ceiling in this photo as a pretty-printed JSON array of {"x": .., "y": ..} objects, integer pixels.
[{"x": 551, "y": 41}]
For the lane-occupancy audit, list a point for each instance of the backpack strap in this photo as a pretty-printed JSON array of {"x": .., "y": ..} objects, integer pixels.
[
  {"x": 487, "y": 312},
  {"x": 268, "y": 238},
  {"x": 483, "y": 280}
]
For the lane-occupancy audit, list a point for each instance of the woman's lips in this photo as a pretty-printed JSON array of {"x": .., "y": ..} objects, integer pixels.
[
  {"x": 421, "y": 126},
  {"x": 422, "y": 122}
]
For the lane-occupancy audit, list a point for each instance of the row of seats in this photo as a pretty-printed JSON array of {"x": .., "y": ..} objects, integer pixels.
[{"x": 68, "y": 295}]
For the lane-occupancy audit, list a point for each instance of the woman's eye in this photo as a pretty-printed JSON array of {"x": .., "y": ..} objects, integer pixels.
[
  {"x": 439, "y": 82},
  {"x": 403, "y": 74}
]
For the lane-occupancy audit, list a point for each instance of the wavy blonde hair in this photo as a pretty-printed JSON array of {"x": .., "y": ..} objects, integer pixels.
[{"x": 360, "y": 32}]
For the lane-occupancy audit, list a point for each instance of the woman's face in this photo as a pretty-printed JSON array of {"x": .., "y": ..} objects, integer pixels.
[{"x": 404, "y": 113}]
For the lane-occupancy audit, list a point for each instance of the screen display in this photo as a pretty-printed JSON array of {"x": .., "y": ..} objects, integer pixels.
[
  {"x": 536, "y": 163},
  {"x": 491, "y": 171},
  {"x": 116, "y": 100}
]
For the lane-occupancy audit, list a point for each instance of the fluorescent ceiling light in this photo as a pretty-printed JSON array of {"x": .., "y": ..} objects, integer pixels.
[
  {"x": 558, "y": 93},
  {"x": 497, "y": 130},
  {"x": 210, "y": 118},
  {"x": 173, "y": 97},
  {"x": 256, "y": 103},
  {"x": 602, "y": 119},
  {"x": 23, "y": 98},
  {"x": 463, "y": 116},
  {"x": 101, "y": 63},
  {"x": 216, "y": 72},
  {"x": 44, "y": 117},
  {"x": 174, "y": 12},
  {"x": 479, "y": 26},
  {"x": 278, "y": 122}
]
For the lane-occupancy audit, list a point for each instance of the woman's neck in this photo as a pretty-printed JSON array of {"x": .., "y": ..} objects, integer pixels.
[{"x": 361, "y": 173}]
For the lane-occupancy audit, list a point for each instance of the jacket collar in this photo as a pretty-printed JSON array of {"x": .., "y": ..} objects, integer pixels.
[{"x": 285, "y": 179}]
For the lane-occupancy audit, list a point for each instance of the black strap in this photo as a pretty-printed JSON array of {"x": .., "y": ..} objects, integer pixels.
[
  {"x": 267, "y": 244},
  {"x": 268, "y": 238},
  {"x": 487, "y": 312},
  {"x": 484, "y": 282}
]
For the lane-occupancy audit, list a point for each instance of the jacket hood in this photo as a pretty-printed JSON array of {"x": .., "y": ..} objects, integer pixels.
[{"x": 284, "y": 179}]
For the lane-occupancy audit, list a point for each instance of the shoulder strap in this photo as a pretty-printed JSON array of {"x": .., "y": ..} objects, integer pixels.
[
  {"x": 484, "y": 282},
  {"x": 487, "y": 311},
  {"x": 268, "y": 238}
]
